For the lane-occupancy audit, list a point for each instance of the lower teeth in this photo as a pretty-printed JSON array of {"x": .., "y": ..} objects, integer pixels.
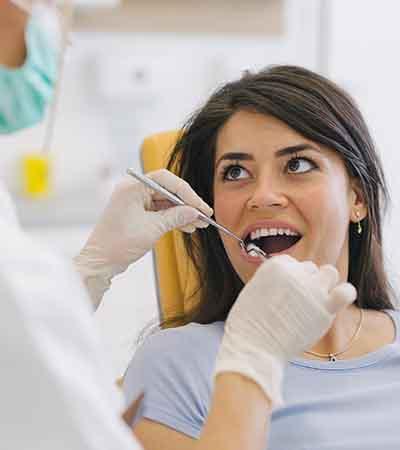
[{"x": 252, "y": 249}]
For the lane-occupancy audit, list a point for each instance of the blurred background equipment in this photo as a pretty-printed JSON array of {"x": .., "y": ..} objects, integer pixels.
[
  {"x": 37, "y": 166},
  {"x": 135, "y": 68}
]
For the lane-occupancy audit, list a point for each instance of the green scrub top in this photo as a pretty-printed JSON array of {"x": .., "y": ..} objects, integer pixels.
[{"x": 26, "y": 90}]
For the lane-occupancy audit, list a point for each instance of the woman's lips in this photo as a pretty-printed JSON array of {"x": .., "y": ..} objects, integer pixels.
[{"x": 257, "y": 260}]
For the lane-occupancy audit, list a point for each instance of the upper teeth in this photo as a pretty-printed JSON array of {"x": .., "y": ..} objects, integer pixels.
[{"x": 263, "y": 232}]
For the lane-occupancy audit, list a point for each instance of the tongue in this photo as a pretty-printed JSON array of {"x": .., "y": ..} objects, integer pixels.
[{"x": 276, "y": 244}]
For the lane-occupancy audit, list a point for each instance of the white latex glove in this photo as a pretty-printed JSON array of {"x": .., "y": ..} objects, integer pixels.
[
  {"x": 282, "y": 311},
  {"x": 133, "y": 221}
]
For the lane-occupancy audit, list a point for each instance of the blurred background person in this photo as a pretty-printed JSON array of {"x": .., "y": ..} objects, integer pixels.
[{"x": 28, "y": 60}]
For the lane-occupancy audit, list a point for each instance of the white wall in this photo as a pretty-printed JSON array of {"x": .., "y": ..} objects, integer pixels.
[{"x": 363, "y": 48}]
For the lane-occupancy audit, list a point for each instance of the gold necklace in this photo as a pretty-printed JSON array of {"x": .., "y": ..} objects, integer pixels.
[{"x": 332, "y": 356}]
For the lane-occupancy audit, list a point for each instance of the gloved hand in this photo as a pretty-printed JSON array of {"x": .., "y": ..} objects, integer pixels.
[
  {"x": 133, "y": 221},
  {"x": 282, "y": 311}
]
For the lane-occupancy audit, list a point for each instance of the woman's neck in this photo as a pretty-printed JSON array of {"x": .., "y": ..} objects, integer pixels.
[{"x": 377, "y": 329}]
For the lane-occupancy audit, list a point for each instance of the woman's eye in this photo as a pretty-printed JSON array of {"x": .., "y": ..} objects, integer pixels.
[
  {"x": 233, "y": 173},
  {"x": 300, "y": 165}
]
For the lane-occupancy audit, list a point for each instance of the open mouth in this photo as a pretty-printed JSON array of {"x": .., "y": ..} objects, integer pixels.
[{"x": 272, "y": 240}]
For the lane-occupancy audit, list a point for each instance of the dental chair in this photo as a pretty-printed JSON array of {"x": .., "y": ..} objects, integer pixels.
[{"x": 175, "y": 276}]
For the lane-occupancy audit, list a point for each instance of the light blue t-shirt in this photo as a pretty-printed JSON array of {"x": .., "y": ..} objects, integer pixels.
[{"x": 344, "y": 405}]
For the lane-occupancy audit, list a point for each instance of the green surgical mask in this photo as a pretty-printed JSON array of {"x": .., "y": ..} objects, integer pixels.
[{"x": 25, "y": 91}]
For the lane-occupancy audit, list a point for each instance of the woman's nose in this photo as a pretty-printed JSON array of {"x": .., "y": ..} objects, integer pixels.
[{"x": 267, "y": 193}]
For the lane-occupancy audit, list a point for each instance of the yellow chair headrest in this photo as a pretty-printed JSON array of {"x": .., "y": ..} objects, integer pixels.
[{"x": 176, "y": 277}]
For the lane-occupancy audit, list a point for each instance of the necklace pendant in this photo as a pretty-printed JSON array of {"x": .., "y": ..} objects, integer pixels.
[{"x": 332, "y": 358}]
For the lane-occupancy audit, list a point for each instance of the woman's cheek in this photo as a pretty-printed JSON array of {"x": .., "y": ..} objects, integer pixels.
[
  {"x": 227, "y": 207},
  {"x": 226, "y": 214}
]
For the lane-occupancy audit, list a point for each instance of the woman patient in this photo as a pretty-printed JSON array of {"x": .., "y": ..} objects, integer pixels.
[{"x": 286, "y": 160}]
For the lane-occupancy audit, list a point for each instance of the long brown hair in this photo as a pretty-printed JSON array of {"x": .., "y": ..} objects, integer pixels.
[{"x": 320, "y": 111}]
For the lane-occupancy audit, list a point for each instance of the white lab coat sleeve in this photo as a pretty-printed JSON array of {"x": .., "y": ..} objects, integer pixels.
[{"x": 56, "y": 392}]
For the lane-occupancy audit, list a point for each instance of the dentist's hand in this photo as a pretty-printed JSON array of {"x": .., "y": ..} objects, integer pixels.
[
  {"x": 133, "y": 221},
  {"x": 282, "y": 311}
]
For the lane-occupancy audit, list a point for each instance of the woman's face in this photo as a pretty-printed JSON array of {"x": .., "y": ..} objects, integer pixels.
[{"x": 283, "y": 192}]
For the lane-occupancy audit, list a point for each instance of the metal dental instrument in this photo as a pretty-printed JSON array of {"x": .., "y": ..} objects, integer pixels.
[{"x": 178, "y": 201}]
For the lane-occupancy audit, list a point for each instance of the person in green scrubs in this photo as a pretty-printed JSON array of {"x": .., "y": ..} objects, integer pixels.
[{"x": 28, "y": 66}]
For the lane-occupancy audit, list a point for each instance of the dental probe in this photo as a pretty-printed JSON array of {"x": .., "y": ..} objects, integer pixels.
[{"x": 178, "y": 201}]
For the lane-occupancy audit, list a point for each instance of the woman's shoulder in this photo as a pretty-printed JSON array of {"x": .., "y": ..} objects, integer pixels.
[
  {"x": 174, "y": 362},
  {"x": 188, "y": 339},
  {"x": 395, "y": 316},
  {"x": 192, "y": 331},
  {"x": 393, "y": 312},
  {"x": 189, "y": 345}
]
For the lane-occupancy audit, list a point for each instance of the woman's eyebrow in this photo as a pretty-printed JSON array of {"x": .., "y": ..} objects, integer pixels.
[
  {"x": 295, "y": 149},
  {"x": 243, "y": 156},
  {"x": 235, "y": 156}
]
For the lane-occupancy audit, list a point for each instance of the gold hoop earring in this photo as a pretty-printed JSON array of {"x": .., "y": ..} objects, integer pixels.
[{"x": 359, "y": 227}]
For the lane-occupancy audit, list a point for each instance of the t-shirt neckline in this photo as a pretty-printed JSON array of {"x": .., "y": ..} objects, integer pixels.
[{"x": 361, "y": 361}]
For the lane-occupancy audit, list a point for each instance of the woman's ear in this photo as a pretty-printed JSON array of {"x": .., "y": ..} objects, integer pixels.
[{"x": 358, "y": 206}]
